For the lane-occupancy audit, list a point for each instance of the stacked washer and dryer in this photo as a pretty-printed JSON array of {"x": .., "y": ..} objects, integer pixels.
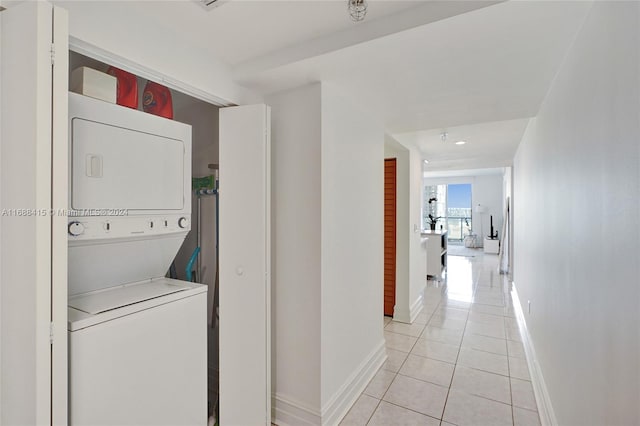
[{"x": 137, "y": 340}]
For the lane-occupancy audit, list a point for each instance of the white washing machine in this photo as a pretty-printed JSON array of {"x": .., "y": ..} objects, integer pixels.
[
  {"x": 137, "y": 340},
  {"x": 137, "y": 354}
]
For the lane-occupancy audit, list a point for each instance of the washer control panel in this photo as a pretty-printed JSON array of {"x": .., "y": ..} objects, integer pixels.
[{"x": 107, "y": 227}]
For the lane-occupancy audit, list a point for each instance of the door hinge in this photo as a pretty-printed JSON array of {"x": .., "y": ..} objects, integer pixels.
[
  {"x": 53, "y": 54},
  {"x": 51, "y": 333}
]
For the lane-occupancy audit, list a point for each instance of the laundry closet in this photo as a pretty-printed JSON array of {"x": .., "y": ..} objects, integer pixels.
[{"x": 168, "y": 257}]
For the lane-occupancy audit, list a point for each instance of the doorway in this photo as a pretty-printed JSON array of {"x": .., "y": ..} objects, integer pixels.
[
  {"x": 390, "y": 190},
  {"x": 458, "y": 211}
]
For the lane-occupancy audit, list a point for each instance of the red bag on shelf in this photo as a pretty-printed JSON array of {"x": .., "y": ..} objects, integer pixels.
[
  {"x": 157, "y": 100},
  {"x": 127, "y": 93}
]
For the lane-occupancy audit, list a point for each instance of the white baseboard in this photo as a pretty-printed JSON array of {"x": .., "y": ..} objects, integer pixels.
[
  {"x": 402, "y": 315},
  {"x": 286, "y": 411},
  {"x": 338, "y": 406},
  {"x": 289, "y": 412},
  {"x": 410, "y": 316},
  {"x": 545, "y": 407},
  {"x": 417, "y": 306}
]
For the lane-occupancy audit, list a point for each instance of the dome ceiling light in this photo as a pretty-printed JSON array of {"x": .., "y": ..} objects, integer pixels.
[{"x": 357, "y": 9}]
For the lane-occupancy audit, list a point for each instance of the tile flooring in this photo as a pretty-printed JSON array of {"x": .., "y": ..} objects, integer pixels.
[{"x": 461, "y": 362}]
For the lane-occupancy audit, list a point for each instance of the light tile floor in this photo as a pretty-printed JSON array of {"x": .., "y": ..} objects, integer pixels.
[{"x": 461, "y": 362}]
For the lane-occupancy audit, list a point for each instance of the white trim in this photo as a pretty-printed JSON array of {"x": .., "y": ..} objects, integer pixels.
[
  {"x": 289, "y": 412},
  {"x": 401, "y": 315},
  {"x": 545, "y": 407},
  {"x": 417, "y": 306},
  {"x": 59, "y": 201},
  {"x": 286, "y": 411},
  {"x": 92, "y": 51},
  {"x": 267, "y": 259},
  {"x": 410, "y": 315},
  {"x": 42, "y": 200},
  {"x": 338, "y": 406}
]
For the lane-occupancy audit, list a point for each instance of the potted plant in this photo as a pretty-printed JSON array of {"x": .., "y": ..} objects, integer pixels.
[{"x": 432, "y": 219}]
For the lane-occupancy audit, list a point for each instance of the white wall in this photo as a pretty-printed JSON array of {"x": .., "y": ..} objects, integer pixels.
[
  {"x": 295, "y": 233},
  {"x": 417, "y": 251},
  {"x": 487, "y": 191},
  {"x": 393, "y": 149},
  {"x": 155, "y": 47},
  {"x": 327, "y": 251},
  {"x": 352, "y": 238},
  {"x": 577, "y": 239}
]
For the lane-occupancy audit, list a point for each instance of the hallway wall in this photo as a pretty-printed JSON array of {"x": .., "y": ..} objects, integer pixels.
[
  {"x": 577, "y": 237},
  {"x": 327, "y": 264},
  {"x": 352, "y": 251},
  {"x": 296, "y": 242}
]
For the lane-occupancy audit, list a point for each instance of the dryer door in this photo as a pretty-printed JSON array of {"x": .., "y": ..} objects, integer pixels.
[{"x": 122, "y": 168}]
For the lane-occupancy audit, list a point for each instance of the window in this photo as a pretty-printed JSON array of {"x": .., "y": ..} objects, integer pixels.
[
  {"x": 452, "y": 204},
  {"x": 458, "y": 211},
  {"x": 437, "y": 194}
]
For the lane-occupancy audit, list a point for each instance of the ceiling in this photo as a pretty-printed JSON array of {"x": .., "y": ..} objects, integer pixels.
[
  {"x": 482, "y": 74},
  {"x": 480, "y": 68},
  {"x": 487, "y": 145},
  {"x": 240, "y": 30}
]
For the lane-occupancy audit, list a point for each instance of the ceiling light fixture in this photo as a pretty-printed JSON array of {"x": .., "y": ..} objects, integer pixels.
[
  {"x": 426, "y": 161},
  {"x": 461, "y": 142},
  {"x": 357, "y": 9},
  {"x": 443, "y": 136},
  {"x": 210, "y": 4}
]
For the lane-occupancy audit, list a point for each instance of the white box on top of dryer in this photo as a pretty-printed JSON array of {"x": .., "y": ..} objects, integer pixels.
[{"x": 93, "y": 83}]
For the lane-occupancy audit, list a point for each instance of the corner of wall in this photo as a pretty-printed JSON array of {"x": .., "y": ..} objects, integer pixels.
[
  {"x": 296, "y": 244},
  {"x": 352, "y": 239}
]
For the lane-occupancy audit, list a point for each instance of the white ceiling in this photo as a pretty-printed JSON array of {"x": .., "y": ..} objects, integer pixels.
[
  {"x": 420, "y": 67},
  {"x": 240, "y": 30},
  {"x": 482, "y": 73},
  {"x": 487, "y": 145}
]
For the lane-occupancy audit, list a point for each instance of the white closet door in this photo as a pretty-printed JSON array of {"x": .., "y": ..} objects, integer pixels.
[
  {"x": 245, "y": 366},
  {"x": 33, "y": 173}
]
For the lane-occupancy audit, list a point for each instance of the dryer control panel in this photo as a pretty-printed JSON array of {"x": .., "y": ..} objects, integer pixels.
[{"x": 107, "y": 227}]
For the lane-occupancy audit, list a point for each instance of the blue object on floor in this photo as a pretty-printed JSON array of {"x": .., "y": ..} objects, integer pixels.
[{"x": 189, "y": 268}]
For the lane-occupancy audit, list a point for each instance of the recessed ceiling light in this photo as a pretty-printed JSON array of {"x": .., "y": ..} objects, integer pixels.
[
  {"x": 426, "y": 161},
  {"x": 461, "y": 142}
]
